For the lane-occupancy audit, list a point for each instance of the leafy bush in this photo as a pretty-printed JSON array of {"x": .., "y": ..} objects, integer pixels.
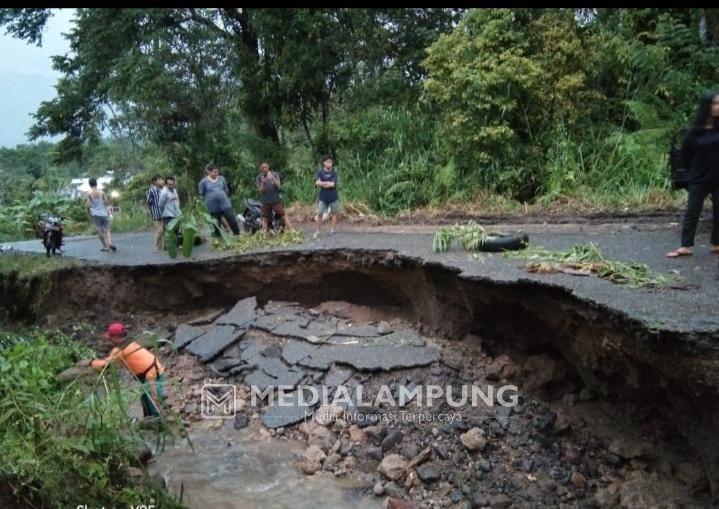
[
  {"x": 24, "y": 220},
  {"x": 60, "y": 447}
]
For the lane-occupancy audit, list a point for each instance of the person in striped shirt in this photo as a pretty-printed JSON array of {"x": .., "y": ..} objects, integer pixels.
[{"x": 152, "y": 204}]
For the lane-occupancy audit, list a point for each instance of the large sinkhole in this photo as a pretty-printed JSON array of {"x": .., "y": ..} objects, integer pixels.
[{"x": 645, "y": 400}]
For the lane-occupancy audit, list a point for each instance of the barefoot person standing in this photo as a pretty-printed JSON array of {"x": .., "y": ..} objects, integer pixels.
[
  {"x": 97, "y": 205},
  {"x": 701, "y": 156}
]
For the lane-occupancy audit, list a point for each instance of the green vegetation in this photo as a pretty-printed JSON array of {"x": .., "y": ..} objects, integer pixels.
[
  {"x": 471, "y": 237},
  {"x": 581, "y": 260},
  {"x": 24, "y": 220},
  {"x": 47, "y": 423},
  {"x": 26, "y": 266},
  {"x": 260, "y": 240},
  {"x": 132, "y": 218},
  {"x": 478, "y": 109},
  {"x": 587, "y": 259},
  {"x": 33, "y": 184},
  {"x": 31, "y": 276},
  {"x": 185, "y": 231}
]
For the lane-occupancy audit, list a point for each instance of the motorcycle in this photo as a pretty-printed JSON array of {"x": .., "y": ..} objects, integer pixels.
[
  {"x": 52, "y": 234},
  {"x": 251, "y": 217}
]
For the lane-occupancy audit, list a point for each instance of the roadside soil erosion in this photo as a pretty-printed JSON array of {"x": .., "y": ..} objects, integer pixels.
[{"x": 611, "y": 409}]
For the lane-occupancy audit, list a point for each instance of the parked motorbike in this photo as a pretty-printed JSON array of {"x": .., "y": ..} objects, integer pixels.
[
  {"x": 52, "y": 234},
  {"x": 251, "y": 217}
]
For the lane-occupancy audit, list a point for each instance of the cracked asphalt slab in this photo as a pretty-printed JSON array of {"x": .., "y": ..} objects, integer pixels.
[{"x": 689, "y": 311}]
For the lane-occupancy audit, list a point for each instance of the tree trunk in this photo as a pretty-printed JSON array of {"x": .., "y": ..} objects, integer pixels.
[{"x": 257, "y": 108}]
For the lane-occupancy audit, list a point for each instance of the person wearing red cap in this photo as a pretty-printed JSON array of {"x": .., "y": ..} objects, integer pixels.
[{"x": 139, "y": 361}]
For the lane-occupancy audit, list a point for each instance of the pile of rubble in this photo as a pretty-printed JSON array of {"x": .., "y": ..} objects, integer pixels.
[
  {"x": 285, "y": 345},
  {"x": 535, "y": 453}
]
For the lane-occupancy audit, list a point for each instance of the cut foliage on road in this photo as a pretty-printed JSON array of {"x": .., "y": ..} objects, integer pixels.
[
  {"x": 260, "y": 240},
  {"x": 474, "y": 237},
  {"x": 587, "y": 260}
]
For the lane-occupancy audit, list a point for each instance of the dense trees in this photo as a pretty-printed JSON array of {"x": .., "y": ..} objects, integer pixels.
[{"x": 418, "y": 105}]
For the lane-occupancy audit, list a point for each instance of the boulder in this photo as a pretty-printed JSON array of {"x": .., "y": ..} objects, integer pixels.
[
  {"x": 540, "y": 370},
  {"x": 326, "y": 415},
  {"x": 357, "y": 435},
  {"x": 392, "y": 438},
  {"x": 396, "y": 503},
  {"x": 474, "y": 439},
  {"x": 500, "y": 501},
  {"x": 311, "y": 460},
  {"x": 630, "y": 449},
  {"x": 393, "y": 466},
  {"x": 428, "y": 474}
]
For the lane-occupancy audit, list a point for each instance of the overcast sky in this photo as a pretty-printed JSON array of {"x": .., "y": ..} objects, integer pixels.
[{"x": 27, "y": 77}]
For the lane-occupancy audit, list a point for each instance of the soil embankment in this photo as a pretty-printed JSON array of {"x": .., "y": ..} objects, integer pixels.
[{"x": 668, "y": 374}]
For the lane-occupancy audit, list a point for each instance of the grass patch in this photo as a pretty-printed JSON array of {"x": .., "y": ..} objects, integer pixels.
[
  {"x": 30, "y": 276},
  {"x": 28, "y": 265},
  {"x": 588, "y": 260},
  {"x": 62, "y": 444},
  {"x": 131, "y": 218},
  {"x": 260, "y": 240}
]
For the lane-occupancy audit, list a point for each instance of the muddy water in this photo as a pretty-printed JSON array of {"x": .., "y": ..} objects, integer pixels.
[{"x": 237, "y": 470}]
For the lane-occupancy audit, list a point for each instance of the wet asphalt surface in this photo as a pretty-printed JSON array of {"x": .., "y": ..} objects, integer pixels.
[{"x": 695, "y": 309}]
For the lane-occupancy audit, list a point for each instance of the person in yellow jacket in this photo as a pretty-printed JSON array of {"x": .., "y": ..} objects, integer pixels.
[{"x": 140, "y": 362}]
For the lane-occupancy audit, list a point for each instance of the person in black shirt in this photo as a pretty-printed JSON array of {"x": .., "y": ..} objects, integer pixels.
[
  {"x": 701, "y": 152},
  {"x": 328, "y": 202}
]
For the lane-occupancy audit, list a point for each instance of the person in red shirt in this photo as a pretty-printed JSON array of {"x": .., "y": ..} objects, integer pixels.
[{"x": 140, "y": 362}]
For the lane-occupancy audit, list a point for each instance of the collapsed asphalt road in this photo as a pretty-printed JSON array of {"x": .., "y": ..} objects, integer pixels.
[
  {"x": 692, "y": 311},
  {"x": 558, "y": 446},
  {"x": 649, "y": 346}
]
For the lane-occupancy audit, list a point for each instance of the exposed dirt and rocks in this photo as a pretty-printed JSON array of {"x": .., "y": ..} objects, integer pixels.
[
  {"x": 562, "y": 445},
  {"x": 638, "y": 362}
]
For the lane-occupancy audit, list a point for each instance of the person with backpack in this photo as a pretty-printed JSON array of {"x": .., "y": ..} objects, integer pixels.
[
  {"x": 139, "y": 361},
  {"x": 700, "y": 152},
  {"x": 98, "y": 207}
]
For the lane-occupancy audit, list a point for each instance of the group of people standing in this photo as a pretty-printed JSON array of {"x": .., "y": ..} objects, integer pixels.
[
  {"x": 163, "y": 204},
  {"x": 269, "y": 185},
  {"x": 700, "y": 150}
]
